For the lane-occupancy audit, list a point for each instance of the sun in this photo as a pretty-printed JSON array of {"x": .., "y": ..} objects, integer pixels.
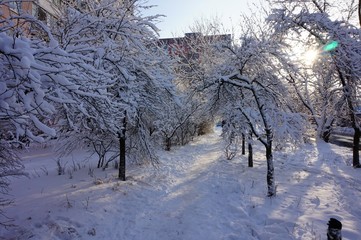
[{"x": 310, "y": 56}]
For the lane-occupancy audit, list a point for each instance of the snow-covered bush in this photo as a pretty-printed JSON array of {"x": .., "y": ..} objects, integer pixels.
[
  {"x": 24, "y": 108},
  {"x": 130, "y": 75}
]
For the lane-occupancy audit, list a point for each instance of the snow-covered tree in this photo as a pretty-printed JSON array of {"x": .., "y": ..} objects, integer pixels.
[
  {"x": 25, "y": 109},
  {"x": 116, "y": 40},
  {"x": 180, "y": 123},
  {"x": 193, "y": 58},
  {"x": 259, "y": 95},
  {"x": 320, "y": 95},
  {"x": 336, "y": 37}
]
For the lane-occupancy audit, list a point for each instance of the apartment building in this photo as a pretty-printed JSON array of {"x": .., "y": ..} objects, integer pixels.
[
  {"x": 190, "y": 46},
  {"x": 47, "y": 11},
  {"x": 44, "y": 10}
]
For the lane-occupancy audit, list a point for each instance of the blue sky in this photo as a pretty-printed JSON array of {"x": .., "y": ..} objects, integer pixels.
[{"x": 180, "y": 14}]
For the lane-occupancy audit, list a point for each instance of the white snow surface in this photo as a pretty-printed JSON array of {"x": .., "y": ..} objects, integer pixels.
[{"x": 195, "y": 193}]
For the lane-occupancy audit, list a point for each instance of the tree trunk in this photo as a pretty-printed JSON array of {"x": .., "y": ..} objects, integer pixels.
[
  {"x": 250, "y": 155},
  {"x": 355, "y": 148},
  {"x": 270, "y": 167},
  {"x": 122, "y": 158},
  {"x": 99, "y": 161},
  {"x": 270, "y": 173},
  {"x": 359, "y": 12},
  {"x": 122, "y": 151},
  {"x": 326, "y": 134},
  {"x": 243, "y": 144},
  {"x": 348, "y": 91},
  {"x": 168, "y": 143}
]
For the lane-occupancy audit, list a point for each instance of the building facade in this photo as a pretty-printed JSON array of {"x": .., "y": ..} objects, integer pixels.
[
  {"x": 47, "y": 11},
  {"x": 191, "y": 45},
  {"x": 44, "y": 10}
]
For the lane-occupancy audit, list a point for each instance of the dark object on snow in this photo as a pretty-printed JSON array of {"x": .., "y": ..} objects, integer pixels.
[{"x": 334, "y": 229}]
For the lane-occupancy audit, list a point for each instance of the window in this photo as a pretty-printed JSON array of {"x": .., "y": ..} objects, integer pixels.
[
  {"x": 14, "y": 6},
  {"x": 41, "y": 15}
]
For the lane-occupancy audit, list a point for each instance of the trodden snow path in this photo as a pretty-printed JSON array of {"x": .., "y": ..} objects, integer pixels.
[
  {"x": 188, "y": 197},
  {"x": 194, "y": 194},
  {"x": 201, "y": 202}
]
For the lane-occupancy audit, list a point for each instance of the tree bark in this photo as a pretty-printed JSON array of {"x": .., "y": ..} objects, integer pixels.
[
  {"x": 270, "y": 167},
  {"x": 355, "y": 148},
  {"x": 250, "y": 155},
  {"x": 359, "y": 12},
  {"x": 326, "y": 134},
  {"x": 354, "y": 121},
  {"x": 122, "y": 158},
  {"x": 243, "y": 144},
  {"x": 270, "y": 173},
  {"x": 122, "y": 151},
  {"x": 168, "y": 143}
]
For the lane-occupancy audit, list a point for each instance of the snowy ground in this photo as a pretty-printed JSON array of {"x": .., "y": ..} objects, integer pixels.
[{"x": 194, "y": 194}]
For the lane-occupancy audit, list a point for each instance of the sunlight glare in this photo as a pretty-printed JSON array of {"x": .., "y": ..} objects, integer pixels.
[{"x": 310, "y": 56}]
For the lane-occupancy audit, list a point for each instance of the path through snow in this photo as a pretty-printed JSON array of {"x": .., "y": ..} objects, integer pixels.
[{"x": 194, "y": 194}]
